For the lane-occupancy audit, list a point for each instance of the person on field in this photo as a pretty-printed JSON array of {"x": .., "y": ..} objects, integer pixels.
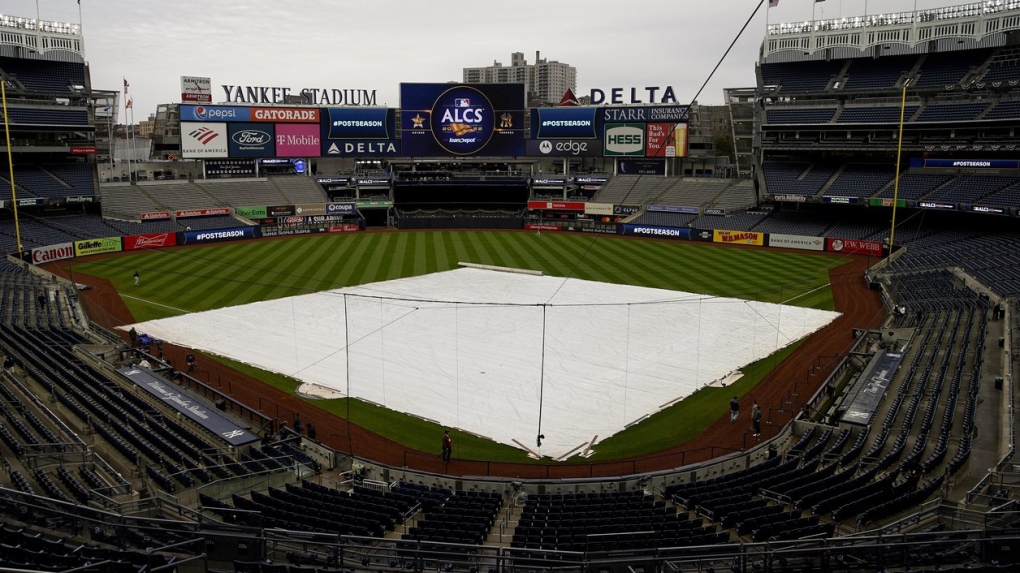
[
  {"x": 447, "y": 446},
  {"x": 138, "y": 278},
  {"x": 734, "y": 409}
]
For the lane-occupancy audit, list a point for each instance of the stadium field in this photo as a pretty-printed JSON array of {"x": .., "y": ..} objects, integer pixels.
[{"x": 191, "y": 279}]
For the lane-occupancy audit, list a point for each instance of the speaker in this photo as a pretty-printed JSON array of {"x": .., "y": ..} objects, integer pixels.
[
  {"x": 221, "y": 405},
  {"x": 998, "y": 382}
]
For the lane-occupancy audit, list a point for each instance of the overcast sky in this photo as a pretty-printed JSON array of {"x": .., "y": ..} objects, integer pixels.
[{"x": 378, "y": 44}]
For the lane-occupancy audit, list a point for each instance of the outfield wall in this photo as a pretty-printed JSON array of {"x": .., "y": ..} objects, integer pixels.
[{"x": 289, "y": 220}]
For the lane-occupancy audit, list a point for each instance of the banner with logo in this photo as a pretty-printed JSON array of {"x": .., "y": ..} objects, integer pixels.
[
  {"x": 462, "y": 120},
  {"x": 716, "y": 212},
  {"x": 279, "y": 210},
  {"x": 343, "y": 229},
  {"x": 541, "y": 227},
  {"x": 625, "y": 139},
  {"x": 251, "y": 140},
  {"x": 885, "y": 202},
  {"x": 235, "y": 234},
  {"x": 149, "y": 241},
  {"x": 738, "y": 237},
  {"x": 673, "y": 209},
  {"x": 217, "y": 113},
  {"x": 563, "y": 148},
  {"x": 936, "y": 205},
  {"x": 155, "y": 216},
  {"x": 341, "y": 208},
  {"x": 52, "y": 253},
  {"x": 564, "y": 123},
  {"x": 197, "y": 89},
  {"x": 97, "y": 246},
  {"x": 556, "y": 205},
  {"x": 298, "y": 140},
  {"x": 706, "y": 235},
  {"x": 634, "y": 166},
  {"x": 201, "y": 212},
  {"x": 992, "y": 210},
  {"x": 285, "y": 115},
  {"x": 309, "y": 209},
  {"x": 802, "y": 242},
  {"x": 256, "y": 212},
  {"x": 965, "y": 163},
  {"x": 82, "y": 150},
  {"x": 361, "y": 148},
  {"x": 666, "y": 140},
  {"x": 204, "y": 140},
  {"x": 840, "y": 200},
  {"x": 659, "y": 232},
  {"x": 626, "y": 209},
  {"x": 853, "y": 247},
  {"x": 645, "y": 113},
  {"x": 598, "y": 208}
]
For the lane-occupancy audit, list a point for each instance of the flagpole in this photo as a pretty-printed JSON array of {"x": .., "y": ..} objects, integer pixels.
[
  {"x": 80, "y": 31},
  {"x": 38, "y": 28}
]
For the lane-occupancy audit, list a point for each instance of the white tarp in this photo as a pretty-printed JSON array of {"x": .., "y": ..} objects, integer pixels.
[{"x": 612, "y": 353}]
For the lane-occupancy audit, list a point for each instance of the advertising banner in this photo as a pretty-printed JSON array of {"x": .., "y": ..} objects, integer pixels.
[
  {"x": 626, "y": 139},
  {"x": 341, "y": 208},
  {"x": 462, "y": 120},
  {"x": 202, "y": 212},
  {"x": 204, "y": 140},
  {"x": 563, "y": 148},
  {"x": 308, "y": 209},
  {"x": 673, "y": 209},
  {"x": 716, "y": 212},
  {"x": 237, "y": 233},
  {"x": 52, "y": 253},
  {"x": 791, "y": 198},
  {"x": 802, "y": 242},
  {"x": 598, "y": 208},
  {"x": 738, "y": 237},
  {"x": 660, "y": 140},
  {"x": 626, "y": 209},
  {"x": 598, "y": 179},
  {"x": 285, "y": 115},
  {"x": 214, "y": 113},
  {"x": 659, "y": 232},
  {"x": 82, "y": 150},
  {"x": 556, "y": 205},
  {"x": 343, "y": 229},
  {"x": 250, "y": 140},
  {"x": 853, "y": 247},
  {"x": 361, "y": 148},
  {"x": 155, "y": 216},
  {"x": 97, "y": 246},
  {"x": 885, "y": 202},
  {"x": 645, "y": 114},
  {"x": 332, "y": 180},
  {"x": 196, "y": 89},
  {"x": 149, "y": 241},
  {"x": 702, "y": 235},
  {"x": 630, "y": 166},
  {"x": 564, "y": 123},
  {"x": 279, "y": 210},
  {"x": 840, "y": 200},
  {"x": 255, "y": 212},
  {"x": 541, "y": 227},
  {"x": 297, "y": 140}
]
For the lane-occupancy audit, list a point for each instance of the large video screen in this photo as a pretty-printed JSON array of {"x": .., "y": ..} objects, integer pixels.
[{"x": 462, "y": 120}]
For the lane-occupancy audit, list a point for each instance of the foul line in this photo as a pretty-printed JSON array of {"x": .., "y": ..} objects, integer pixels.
[
  {"x": 147, "y": 301},
  {"x": 826, "y": 285}
]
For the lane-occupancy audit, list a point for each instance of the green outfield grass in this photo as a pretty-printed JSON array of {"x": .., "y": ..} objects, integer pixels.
[{"x": 177, "y": 281}]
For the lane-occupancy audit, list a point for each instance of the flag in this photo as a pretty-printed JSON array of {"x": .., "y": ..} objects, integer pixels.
[
  {"x": 773, "y": 3},
  {"x": 125, "y": 85},
  {"x": 127, "y": 104}
]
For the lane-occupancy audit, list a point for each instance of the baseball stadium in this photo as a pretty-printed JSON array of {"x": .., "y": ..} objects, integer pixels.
[{"x": 473, "y": 334}]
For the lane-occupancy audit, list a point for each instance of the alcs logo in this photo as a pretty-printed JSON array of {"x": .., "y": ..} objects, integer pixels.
[{"x": 465, "y": 120}]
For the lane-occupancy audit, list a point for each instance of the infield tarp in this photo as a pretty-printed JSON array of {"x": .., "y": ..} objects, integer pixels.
[{"x": 612, "y": 354}]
